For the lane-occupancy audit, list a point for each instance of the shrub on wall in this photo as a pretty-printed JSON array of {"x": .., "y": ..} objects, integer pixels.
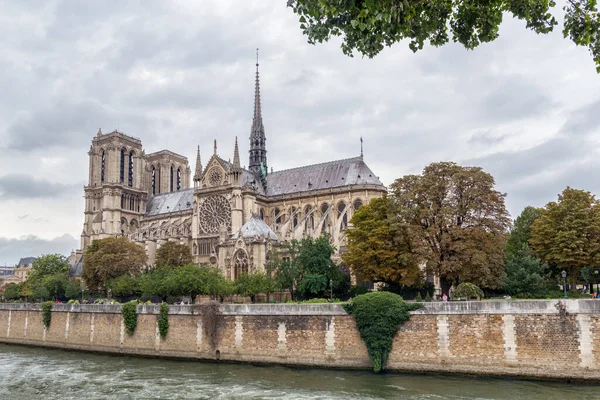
[
  {"x": 378, "y": 316},
  {"x": 129, "y": 312},
  {"x": 47, "y": 313},
  {"x": 468, "y": 291},
  {"x": 163, "y": 320}
]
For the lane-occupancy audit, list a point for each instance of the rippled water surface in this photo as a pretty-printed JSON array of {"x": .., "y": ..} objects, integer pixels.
[{"x": 32, "y": 373}]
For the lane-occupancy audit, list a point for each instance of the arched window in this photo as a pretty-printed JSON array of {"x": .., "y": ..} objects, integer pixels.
[
  {"x": 171, "y": 184},
  {"x": 130, "y": 173},
  {"x": 122, "y": 201},
  {"x": 178, "y": 179},
  {"x": 102, "y": 169},
  {"x": 122, "y": 171},
  {"x": 153, "y": 180},
  {"x": 341, "y": 208},
  {"x": 262, "y": 214},
  {"x": 295, "y": 217},
  {"x": 357, "y": 204},
  {"x": 277, "y": 216},
  {"x": 324, "y": 208},
  {"x": 131, "y": 202},
  {"x": 310, "y": 219},
  {"x": 240, "y": 264}
]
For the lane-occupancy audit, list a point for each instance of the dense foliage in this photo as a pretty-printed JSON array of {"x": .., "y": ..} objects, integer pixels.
[
  {"x": 467, "y": 291},
  {"x": 47, "y": 313},
  {"x": 129, "y": 312},
  {"x": 307, "y": 269},
  {"x": 455, "y": 221},
  {"x": 379, "y": 250},
  {"x": 520, "y": 234},
  {"x": 163, "y": 320},
  {"x": 12, "y": 291},
  {"x": 378, "y": 317},
  {"x": 49, "y": 279},
  {"x": 110, "y": 258},
  {"x": 172, "y": 255},
  {"x": 253, "y": 283},
  {"x": 567, "y": 234},
  {"x": 367, "y": 26}
]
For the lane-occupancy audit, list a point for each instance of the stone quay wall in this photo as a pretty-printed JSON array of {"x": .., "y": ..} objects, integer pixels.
[{"x": 533, "y": 339}]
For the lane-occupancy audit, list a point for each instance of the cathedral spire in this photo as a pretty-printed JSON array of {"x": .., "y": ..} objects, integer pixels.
[
  {"x": 258, "y": 149},
  {"x": 236, "y": 155},
  {"x": 198, "y": 172}
]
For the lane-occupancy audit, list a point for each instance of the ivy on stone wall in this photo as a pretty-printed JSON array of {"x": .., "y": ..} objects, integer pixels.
[
  {"x": 378, "y": 317},
  {"x": 129, "y": 312},
  {"x": 47, "y": 313},
  {"x": 163, "y": 320}
]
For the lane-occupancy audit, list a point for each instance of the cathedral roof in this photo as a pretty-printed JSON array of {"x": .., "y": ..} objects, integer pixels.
[
  {"x": 170, "y": 202},
  {"x": 332, "y": 174},
  {"x": 255, "y": 227}
]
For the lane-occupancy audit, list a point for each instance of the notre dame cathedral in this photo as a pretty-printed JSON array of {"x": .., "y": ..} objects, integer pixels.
[{"x": 232, "y": 217}]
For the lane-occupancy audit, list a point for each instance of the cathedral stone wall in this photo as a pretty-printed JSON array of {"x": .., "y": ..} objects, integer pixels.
[{"x": 517, "y": 338}]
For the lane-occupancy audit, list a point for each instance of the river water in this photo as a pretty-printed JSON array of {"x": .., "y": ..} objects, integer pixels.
[{"x": 35, "y": 373}]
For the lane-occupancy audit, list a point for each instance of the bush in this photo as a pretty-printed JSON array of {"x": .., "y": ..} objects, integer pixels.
[
  {"x": 163, "y": 320},
  {"x": 467, "y": 291},
  {"x": 428, "y": 298},
  {"x": 73, "y": 302},
  {"x": 419, "y": 299},
  {"x": 47, "y": 313},
  {"x": 378, "y": 316},
  {"x": 129, "y": 312}
]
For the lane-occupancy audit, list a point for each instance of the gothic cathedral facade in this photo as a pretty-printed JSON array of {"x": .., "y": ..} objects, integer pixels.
[{"x": 231, "y": 217}]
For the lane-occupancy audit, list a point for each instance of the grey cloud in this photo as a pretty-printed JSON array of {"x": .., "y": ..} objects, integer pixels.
[
  {"x": 18, "y": 186},
  {"x": 486, "y": 138},
  {"x": 583, "y": 121},
  {"x": 11, "y": 250}
]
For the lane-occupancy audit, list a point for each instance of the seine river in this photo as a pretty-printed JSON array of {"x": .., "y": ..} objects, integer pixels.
[{"x": 31, "y": 373}]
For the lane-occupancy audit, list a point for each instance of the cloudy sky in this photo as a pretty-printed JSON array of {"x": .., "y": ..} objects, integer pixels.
[{"x": 526, "y": 108}]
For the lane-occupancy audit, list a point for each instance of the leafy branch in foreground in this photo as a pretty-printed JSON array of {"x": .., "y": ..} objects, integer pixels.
[{"x": 367, "y": 26}]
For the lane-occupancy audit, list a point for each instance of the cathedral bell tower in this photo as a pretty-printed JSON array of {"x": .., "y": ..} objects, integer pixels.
[{"x": 258, "y": 146}]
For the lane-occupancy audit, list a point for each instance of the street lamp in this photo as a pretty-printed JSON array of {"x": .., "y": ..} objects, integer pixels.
[
  {"x": 564, "y": 276},
  {"x": 331, "y": 289},
  {"x": 82, "y": 290}
]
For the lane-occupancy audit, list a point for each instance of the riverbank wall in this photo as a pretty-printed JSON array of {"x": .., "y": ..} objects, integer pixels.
[{"x": 532, "y": 339}]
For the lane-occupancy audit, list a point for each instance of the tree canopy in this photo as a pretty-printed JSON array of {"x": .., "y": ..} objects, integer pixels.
[
  {"x": 110, "y": 258},
  {"x": 520, "y": 234},
  {"x": 379, "y": 250},
  {"x": 172, "y": 255},
  {"x": 567, "y": 233},
  {"x": 457, "y": 223},
  {"x": 367, "y": 26},
  {"x": 49, "y": 278}
]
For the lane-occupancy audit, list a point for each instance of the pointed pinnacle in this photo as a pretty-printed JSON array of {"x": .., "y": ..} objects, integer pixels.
[{"x": 236, "y": 154}]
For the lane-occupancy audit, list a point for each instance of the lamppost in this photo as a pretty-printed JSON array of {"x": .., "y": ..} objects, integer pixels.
[
  {"x": 82, "y": 290},
  {"x": 331, "y": 290},
  {"x": 564, "y": 276}
]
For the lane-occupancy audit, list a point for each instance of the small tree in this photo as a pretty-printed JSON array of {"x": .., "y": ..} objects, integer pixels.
[
  {"x": 12, "y": 291},
  {"x": 253, "y": 283},
  {"x": 172, "y": 255},
  {"x": 110, "y": 258},
  {"x": 468, "y": 291}
]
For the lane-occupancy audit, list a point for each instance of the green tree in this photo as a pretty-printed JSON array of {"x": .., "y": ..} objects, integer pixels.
[
  {"x": 456, "y": 223},
  {"x": 126, "y": 285},
  {"x": 253, "y": 283},
  {"x": 567, "y": 233},
  {"x": 379, "y": 250},
  {"x": 172, "y": 255},
  {"x": 468, "y": 291},
  {"x": 46, "y": 265},
  {"x": 520, "y": 235},
  {"x": 12, "y": 291},
  {"x": 287, "y": 272},
  {"x": 107, "y": 259},
  {"x": 526, "y": 275},
  {"x": 367, "y": 26}
]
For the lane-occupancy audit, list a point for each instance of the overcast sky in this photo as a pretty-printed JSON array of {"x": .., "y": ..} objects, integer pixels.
[{"x": 526, "y": 108}]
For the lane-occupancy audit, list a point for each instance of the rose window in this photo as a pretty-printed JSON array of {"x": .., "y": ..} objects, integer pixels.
[
  {"x": 215, "y": 177},
  {"x": 213, "y": 213}
]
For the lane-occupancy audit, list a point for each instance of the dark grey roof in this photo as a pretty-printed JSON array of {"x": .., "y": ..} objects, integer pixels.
[
  {"x": 256, "y": 227},
  {"x": 171, "y": 202},
  {"x": 351, "y": 171},
  {"x": 27, "y": 260},
  {"x": 76, "y": 265}
]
